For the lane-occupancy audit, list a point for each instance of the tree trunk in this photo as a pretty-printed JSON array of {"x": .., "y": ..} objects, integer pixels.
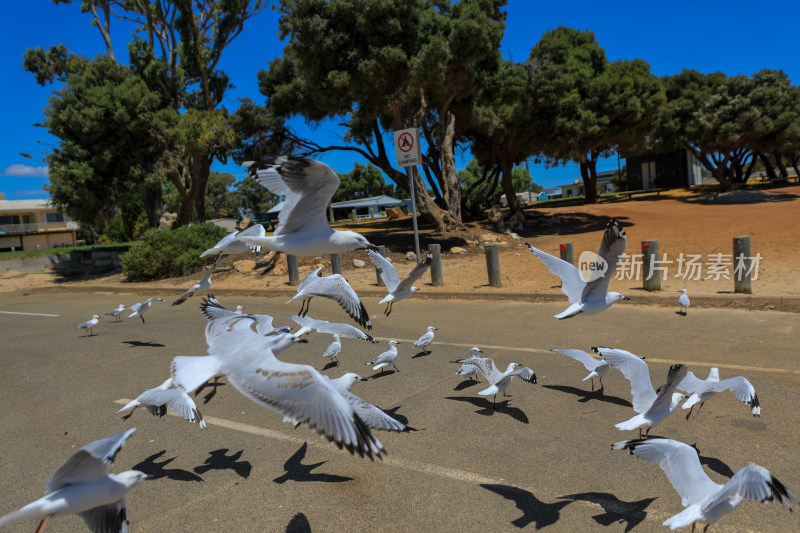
[
  {"x": 589, "y": 176},
  {"x": 152, "y": 196},
  {"x": 452, "y": 188},
  {"x": 508, "y": 186},
  {"x": 200, "y": 171},
  {"x": 186, "y": 211},
  {"x": 767, "y": 165},
  {"x": 781, "y": 165}
]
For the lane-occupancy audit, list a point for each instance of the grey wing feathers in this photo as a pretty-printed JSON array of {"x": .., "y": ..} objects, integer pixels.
[
  {"x": 88, "y": 463},
  {"x": 636, "y": 372},
  {"x": 612, "y": 246},
  {"x": 323, "y": 326},
  {"x": 691, "y": 383},
  {"x": 388, "y": 271},
  {"x": 754, "y": 483},
  {"x": 111, "y": 518},
  {"x": 582, "y": 357},
  {"x": 417, "y": 272},
  {"x": 372, "y": 416},
  {"x": 742, "y": 389},
  {"x": 572, "y": 284}
]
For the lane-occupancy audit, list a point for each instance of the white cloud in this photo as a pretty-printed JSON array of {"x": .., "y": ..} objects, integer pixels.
[{"x": 26, "y": 171}]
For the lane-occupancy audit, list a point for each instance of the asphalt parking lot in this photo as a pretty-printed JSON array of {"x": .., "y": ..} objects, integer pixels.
[{"x": 542, "y": 459}]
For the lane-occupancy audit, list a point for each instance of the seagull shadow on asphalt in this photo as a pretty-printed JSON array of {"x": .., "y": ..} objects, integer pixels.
[
  {"x": 382, "y": 373},
  {"x": 421, "y": 354},
  {"x": 533, "y": 509},
  {"x": 140, "y": 344},
  {"x": 297, "y": 471},
  {"x": 157, "y": 470},
  {"x": 713, "y": 463},
  {"x": 587, "y": 395},
  {"x": 332, "y": 364},
  {"x": 220, "y": 460},
  {"x": 489, "y": 409},
  {"x": 467, "y": 383},
  {"x": 616, "y": 510},
  {"x": 397, "y": 416},
  {"x": 681, "y": 313},
  {"x": 298, "y": 524}
]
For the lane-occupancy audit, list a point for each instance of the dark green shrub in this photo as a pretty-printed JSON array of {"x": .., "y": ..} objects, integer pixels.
[{"x": 164, "y": 253}]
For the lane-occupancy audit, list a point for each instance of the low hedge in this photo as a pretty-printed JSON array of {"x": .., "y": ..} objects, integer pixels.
[{"x": 164, "y": 253}]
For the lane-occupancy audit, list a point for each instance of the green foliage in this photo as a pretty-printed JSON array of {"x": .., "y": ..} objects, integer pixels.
[
  {"x": 164, "y": 253},
  {"x": 221, "y": 201},
  {"x": 362, "y": 182},
  {"x": 252, "y": 197}
]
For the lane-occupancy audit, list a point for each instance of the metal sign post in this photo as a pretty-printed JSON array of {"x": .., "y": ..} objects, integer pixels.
[{"x": 406, "y": 143}]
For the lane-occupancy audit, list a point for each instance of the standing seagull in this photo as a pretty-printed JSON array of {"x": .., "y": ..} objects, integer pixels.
[
  {"x": 683, "y": 301},
  {"x": 499, "y": 381},
  {"x": 398, "y": 290},
  {"x": 117, "y": 312},
  {"x": 703, "y": 390},
  {"x": 303, "y": 230},
  {"x": 82, "y": 485},
  {"x": 141, "y": 308},
  {"x": 469, "y": 369},
  {"x": 89, "y": 324},
  {"x": 386, "y": 358},
  {"x": 203, "y": 285},
  {"x": 165, "y": 395},
  {"x": 597, "y": 368},
  {"x": 334, "y": 349},
  {"x": 705, "y": 501},
  {"x": 333, "y": 287},
  {"x": 425, "y": 339},
  {"x": 592, "y": 297},
  {"x": 652, "y": 407}
]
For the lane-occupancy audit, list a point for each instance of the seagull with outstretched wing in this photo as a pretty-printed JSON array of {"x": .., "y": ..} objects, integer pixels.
[
  {"x": 703, "y": 390},
  {"x": 398, "y": 290}
]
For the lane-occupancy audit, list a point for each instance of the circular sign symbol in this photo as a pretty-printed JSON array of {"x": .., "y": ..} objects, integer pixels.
[{"x": 405, "y": 142}]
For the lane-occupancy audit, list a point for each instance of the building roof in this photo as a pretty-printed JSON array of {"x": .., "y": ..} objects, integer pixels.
[
  {"x": 382, "y": 200},
  {"x": 24, "y": 205}
]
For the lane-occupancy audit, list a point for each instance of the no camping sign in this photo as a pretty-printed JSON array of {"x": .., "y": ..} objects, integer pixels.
[{"x": 406, "y": 145}]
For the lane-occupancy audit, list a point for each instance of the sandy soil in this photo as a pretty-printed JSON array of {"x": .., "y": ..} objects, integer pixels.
[{"x": 683, "y": 223}]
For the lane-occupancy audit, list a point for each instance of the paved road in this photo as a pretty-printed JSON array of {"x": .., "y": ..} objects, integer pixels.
[{"x": 542, "y": 459}]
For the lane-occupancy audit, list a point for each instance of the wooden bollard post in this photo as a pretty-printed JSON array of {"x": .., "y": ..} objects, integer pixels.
[
  {"x": 566, "y": 252},
  {"x": 493, "y": 265},
  {"x": 336, "y": 263},
  {"x": 437, "y": 280},
  {"x": 294, "y": 272},
  {"x": 742, "y": 281},
  {"x": 382, "y": 251},
  {"x": 650, "y": 274}
]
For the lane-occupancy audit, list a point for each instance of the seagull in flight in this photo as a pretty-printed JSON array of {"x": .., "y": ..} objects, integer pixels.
[
  {"x": 705, "y": 501},
  {"x": 89, "y": 324},
  {"x": 116, "y": 312},
  {"x": 589, "y": 297},
  {"x": 499, "y": 381},
  {"x": 307, "y": 324},
  {"x": 374, "y": 417},
  {"x": 140, "y": 309},
  {"x": 703, "y": 390},
  {"x": 83, "y": 486},
  {"x": 203, "y": 285},
  {"x": 230, "y": 243},
  {"x": 597, "y": 367},
  {"x": 398, "y": 290},
  {"x": 333, "y": 287},
  {"x": 307, "y": 187},
  {"x": 165, "y": 395},
  {"x": 652, "y": 406}
]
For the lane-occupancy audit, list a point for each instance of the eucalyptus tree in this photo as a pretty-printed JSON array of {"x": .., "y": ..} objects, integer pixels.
[
  {"x": 375, "y": 66},
  {"x": 584, "y": 106}
]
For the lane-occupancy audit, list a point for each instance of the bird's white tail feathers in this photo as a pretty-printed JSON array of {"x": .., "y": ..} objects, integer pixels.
[
  {"x": 630, "y": 425},
  {"x": 693, "y": 399},
  {"x": 488, "y": 392},
  {"x": 129, "y": 406},
  {"x": 379, "y": 366},
  {"x": 684, "y": 518},
  {"x": 570, "y": 311},
  {"x": 190, "y": 372}
]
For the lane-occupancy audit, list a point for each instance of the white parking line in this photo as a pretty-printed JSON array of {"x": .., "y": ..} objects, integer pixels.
[{"x": 21, "y": 313}]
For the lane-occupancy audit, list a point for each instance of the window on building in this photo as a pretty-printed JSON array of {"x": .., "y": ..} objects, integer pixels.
[{"x": 51, "y": 218}]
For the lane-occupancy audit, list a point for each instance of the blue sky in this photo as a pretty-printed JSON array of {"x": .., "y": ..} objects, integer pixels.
[{"x": 708, "y": 36}]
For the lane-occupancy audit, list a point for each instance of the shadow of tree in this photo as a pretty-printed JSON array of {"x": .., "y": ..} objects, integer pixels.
[
  {"x": 616, "y": 510},
  {"x": 298, "y": 524},
  {"x": 589, "y": 395},
  {"x": 489, "y": 409},
  {"x": 156, "y": 469},
  {"x": 297, "y": 471},
  {"x": 220, "y": 460},
  {"x": 533, "y": 509}
]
